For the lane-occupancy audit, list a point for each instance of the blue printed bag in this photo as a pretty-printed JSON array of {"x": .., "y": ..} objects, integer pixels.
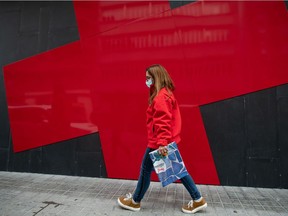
[{"x": 169, "y": 168}]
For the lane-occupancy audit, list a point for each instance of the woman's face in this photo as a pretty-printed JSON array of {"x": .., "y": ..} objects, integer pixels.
[
  {"x": 148, "y": 76},
  {"x": 149, "y": 79}
]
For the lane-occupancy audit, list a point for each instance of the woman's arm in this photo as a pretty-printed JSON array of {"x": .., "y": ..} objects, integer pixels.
[{"x": 162, "y": 118}]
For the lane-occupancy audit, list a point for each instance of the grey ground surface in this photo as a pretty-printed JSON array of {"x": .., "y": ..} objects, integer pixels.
[{"x": 41, "y": 194}]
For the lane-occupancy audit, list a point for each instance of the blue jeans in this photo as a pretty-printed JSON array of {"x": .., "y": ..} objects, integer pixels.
[{"x": 145, "y": 178}]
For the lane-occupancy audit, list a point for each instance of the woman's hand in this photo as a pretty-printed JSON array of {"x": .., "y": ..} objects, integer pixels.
[{"x": 162, "y": 150}]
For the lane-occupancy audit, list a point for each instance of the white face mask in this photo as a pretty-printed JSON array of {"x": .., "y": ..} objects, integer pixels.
[{"x": 149, "y": 82}]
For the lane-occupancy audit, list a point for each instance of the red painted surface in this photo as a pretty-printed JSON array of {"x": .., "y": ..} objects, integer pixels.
[
  {"x": 213, "y": 50},
  {"x": 48, "y": 99},
  {"x": 195, "y": 150}
]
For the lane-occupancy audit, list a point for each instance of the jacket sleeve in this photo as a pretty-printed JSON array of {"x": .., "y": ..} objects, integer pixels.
[{"x": 162, "y": 118}]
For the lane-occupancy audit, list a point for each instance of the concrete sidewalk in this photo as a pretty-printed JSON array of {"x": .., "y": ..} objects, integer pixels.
[{"x": 40, "y": 194}]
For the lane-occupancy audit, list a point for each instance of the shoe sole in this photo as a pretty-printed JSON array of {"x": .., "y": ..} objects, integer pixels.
[
  {"x": 195, "y": 210},
  {"x": 127, "y": 207}
]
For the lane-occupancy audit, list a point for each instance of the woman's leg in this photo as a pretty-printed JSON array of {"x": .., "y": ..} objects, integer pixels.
[
  {"x": 144, "y": 177},
  {"x": 198, "y": 202},
  {"x": 191, "y": 187}
]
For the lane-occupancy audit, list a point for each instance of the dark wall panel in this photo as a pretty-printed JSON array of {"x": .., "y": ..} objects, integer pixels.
[
  {"x": 224, "y": 123},
  {"x": 175, "y": 4},
  {"x": 9, "y": 20},
  {"x": 31, "y": 28},
  {"x": 87, "y": 160},
  {"x": 248, "y": 138},
  {"x": 35, "y": 160},
  {"x": 282, "y": 102},
  {"x": 59, "y": 158},
  {"x": 3, "y": 159},
  {"x": 262, "y": 148},
  {"x": 19, "y": 162}
]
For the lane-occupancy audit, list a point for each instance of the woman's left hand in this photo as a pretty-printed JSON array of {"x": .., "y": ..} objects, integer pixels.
[{"x": 162, "y": 150}]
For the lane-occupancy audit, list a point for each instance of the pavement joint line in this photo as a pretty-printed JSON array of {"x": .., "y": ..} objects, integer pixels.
[
  {"x": 219, "y": 197},
  {"x": 165, "y": 200},
  {"x": 114, "y": 194}
]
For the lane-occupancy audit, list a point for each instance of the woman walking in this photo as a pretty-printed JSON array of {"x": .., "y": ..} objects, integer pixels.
[{"x": 164, "y": 127}]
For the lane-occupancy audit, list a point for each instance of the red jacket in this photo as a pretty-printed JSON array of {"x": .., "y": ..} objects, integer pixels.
[{"x": 163, "y": 120}]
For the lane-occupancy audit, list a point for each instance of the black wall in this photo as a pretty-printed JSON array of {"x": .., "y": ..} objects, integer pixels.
[
  {"x": 248, "y": 136},
  {"x": 28, "y": 28}
]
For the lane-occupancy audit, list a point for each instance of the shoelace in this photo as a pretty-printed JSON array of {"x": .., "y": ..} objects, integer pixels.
[
  {"x": 128, "y": 196},
  {"x": 190, "y": 204}
]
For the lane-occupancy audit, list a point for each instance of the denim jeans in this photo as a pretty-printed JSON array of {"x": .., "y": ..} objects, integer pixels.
[{"x": 145, "y": 178}]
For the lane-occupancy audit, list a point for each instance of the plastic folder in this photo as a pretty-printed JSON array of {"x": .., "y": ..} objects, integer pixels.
[{"x": 169, "y": 168}]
